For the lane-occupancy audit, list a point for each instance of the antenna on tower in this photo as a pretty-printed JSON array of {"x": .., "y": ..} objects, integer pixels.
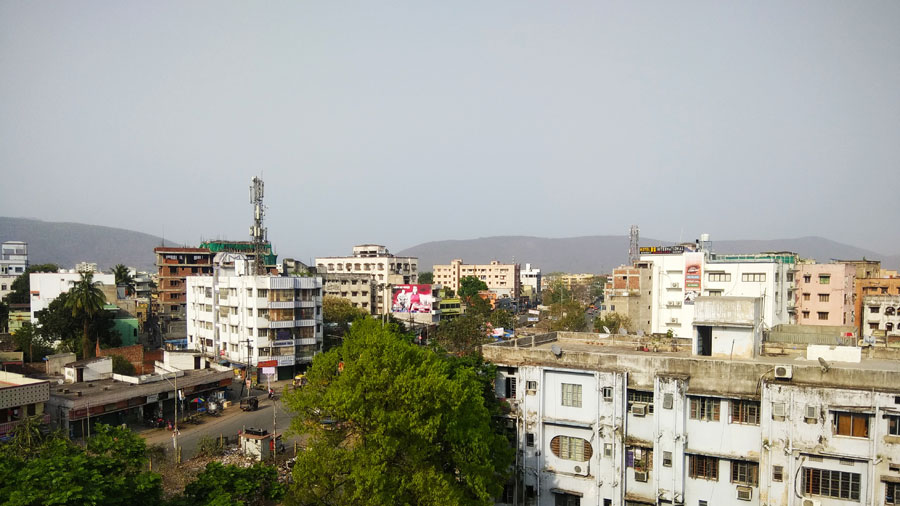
[
  {"x": 257, "y": 231},
  {"x": 633, "y": 255}
]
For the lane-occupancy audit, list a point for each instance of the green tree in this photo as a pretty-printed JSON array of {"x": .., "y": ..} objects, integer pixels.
[
  {"x": 58, "y": 324},
  {"x": 389, "y": 423},
  {"x": 228, "y": 485},
  {"x": 37, "y": 470},
  {"x": 340, "y": 312},
  {"x": 426, "y": 278},
  {"x": 121, "y": 365},
  {"x": 4, "y": 316},
  {"x": 21, "y": 286},
  {"x": 29, "y": 340},
  {"x": 469, "y": 286},
  {"x": 86, "y": 300},
  {"x": 124, "y": 277},
  {"x": 612, "y": 321},
  {"x": 567, "y": 316},
  {"x": 502, "y": 318},
  {"x": 463, "y": 335}
]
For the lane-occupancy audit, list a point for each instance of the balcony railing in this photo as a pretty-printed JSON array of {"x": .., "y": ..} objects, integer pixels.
[{"x": 9, "y": 427}]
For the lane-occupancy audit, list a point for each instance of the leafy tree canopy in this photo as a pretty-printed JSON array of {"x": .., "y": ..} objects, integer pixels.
[
  {"x": 21, "y": 286},
  {"x": 567, "y": 316},
  {"x": 28, "y": 339},
  {"x": 340, "y": 312},
  {"x": 85, "y": 301},
  {"x": 58, "y": 324},
  {"x": 390, "y": 423},
  {"x": 469, "y": 286},
  {"x": 426, "y": 278},
  {"x": 35, "y": 470},
  {"x": 227, "y": 485},
  {"x": 613, "y": 321},
  {"x": 123, "y": 276}
]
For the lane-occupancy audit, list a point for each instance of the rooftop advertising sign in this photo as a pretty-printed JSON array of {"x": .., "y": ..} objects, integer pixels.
[{"x": 411, "y": 299}]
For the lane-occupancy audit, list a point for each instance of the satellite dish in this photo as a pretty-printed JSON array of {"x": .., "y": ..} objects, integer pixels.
[
  {"x": 556, "y": 350},
  {"x": 640, "y": 332},
  {"x": 623, "y": 331},
  {"x": 606, "y": 329},
  {"x": 825, "y": 365}
]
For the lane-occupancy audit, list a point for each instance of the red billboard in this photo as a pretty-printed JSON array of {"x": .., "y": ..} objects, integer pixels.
[
  {"x": 411, "y": 299},
  {"x": 693, "y": 275}
]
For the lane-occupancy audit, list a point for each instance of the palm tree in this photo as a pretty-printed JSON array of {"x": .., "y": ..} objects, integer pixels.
[
  {"x": 86, "y": 300},
  {"x": 124, "y": 277}
]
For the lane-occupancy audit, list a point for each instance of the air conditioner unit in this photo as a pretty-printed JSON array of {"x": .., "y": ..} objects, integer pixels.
[
  {"x": 812, "y": 412},
  {"x": 675, "y": 285},
  {"x": 673, "y": 320},
  {"x": 778, "y": 409},
  {"x": 811, "y": 502},
  {"x": 744, "y": 493},
  {"x": 784, "y": 372},
  {"x": 639, "y": 409},
  {"x": 640, "y": 476}
]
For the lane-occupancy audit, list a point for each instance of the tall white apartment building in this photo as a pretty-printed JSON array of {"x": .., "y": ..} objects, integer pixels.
[
  {"x": 246, "y": 319},
  {"x": 13, "y": 258},
  {"x": 682, "y": 282},
  {"x": 377, "y": 262},
  {"x": 601, "y": 424},
  {"x": 531, "y": 276}
]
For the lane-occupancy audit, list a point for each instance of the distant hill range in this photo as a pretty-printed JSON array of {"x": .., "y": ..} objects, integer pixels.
[
  {"x": 66, "y": 244},
  {"x": 600, "y": 254}
]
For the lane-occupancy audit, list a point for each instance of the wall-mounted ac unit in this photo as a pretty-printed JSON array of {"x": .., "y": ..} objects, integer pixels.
[
  {"x": 811, "y": 502},
  {"x": 675, "y": 285},
  {"x": 744, "y": 493},
  {"x": 812, "y": 412},
  {"x": 639, "y": 409},
  {"x": 673, "y": 320},
  {"x": 640, "y": 476},
  {"x": 784, "y": 372}
]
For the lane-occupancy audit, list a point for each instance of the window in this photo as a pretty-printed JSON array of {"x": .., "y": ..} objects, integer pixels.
[
  {"x": 531, "y": 385},
  {"x": 894, "y": 425},
  {"x": 806, "y": 315},
  {"x": 874, "y": 309},
  {"x": 807, "y": 278},
  {"x": 714, "y": 293},
  {"x": 510, "y": 387},
  {"x": 571, "y": 448},
  {"x": 851, "y": 424},
  {"x": 571, "y": 395},
  {"x": 822, "y": 315},
  {"x": 753, "y": 277},
  {"x": 607, "y": 393},
  {"x": 839, "y": 484},
  {"x": 777, "y": 473},
  {"x": 641, "y": 397},
  {"x": 806, "y": 296},
  {"x": 892, "y": 493},
  {"x": 641, "y": 459},
  {"x": 824, "y": 279},
  {"x": 824, "y": 297},
  {"x": 607, "y": 449},
  {"x": 745, "y": 473},
  {"x": 746, "y": 412},
  {"x": 719, "y": 276},
  {"x": 701, "y": 466},
  {"x": 529, "y": 440},
  {"x": 562, "y": 499},
  {"x": 704, "y": 408},
  {"x": 667, "y": 459}
]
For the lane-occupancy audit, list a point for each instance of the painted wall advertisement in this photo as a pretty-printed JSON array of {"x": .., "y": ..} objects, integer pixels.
[
  {"x": 693, "y": 273},
  {"x": 411, "y": 299}
]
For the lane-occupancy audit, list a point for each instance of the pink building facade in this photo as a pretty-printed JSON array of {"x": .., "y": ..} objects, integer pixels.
[{"x": 825, "y": 294}]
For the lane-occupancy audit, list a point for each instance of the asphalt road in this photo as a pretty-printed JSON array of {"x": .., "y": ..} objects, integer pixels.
[{"x": 228, "y": 424}]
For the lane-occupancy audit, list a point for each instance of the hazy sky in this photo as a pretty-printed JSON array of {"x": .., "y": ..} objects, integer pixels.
[{"x": 404, "y": 122}]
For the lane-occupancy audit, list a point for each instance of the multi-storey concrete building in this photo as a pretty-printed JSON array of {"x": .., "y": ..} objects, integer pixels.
[
  {"x": 679, "y": 276},
  {"x": 359, "y": 289},
  {"x": 13, "y": 258},
  {"x": 824, "y": 294},
  {"x": 881, "y": 317},
  {"x": 530, "y": 282},
  {"x": 869, "y": 287},
  {"x": 627, "y": 292},
  {"x": 247, "y": 319},
  {"x": 598, "y": 423},
  {"x": 501, "y": 279},
  {"x": 21, "y": 397},
  {"x": 47, "y": 286},
  {"x": 383, "y": 268}
]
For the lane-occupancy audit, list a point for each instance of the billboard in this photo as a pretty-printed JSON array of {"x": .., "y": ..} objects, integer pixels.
[
  {"x": 693, "y": 273},
  {"x": 411, "y": 299}
]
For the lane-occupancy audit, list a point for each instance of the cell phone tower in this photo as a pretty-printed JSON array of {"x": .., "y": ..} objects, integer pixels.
[
  {"x": 257, "y": 231},
  {"x": 633, "y": 251}
]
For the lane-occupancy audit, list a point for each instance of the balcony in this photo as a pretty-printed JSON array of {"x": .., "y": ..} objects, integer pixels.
[{"x": 9, "y": 427}]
